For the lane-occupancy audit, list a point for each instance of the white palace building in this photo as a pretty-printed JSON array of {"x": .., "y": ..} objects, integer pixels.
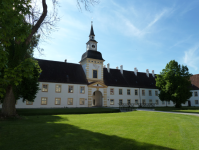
[{"x": 91, "y": 84}]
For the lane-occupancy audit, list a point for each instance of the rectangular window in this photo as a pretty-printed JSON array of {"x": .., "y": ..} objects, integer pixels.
[
  {"x": 143, "y": 101},
  {"x": 128, "y": 101},
  {"x": 44, "y": 87},
  {"x": 111, "y": 91},
  {"x": 57, "y": 101},
  {"x": 120, "y": 102},
  {"x": 143, "y": 92},
  {"x": 44, "y": 101},
  {"x": 136, "y": 92},
  {"x": 81, "y": 101},
  {"x": 70, "y": 101},
  {"x": 128, "y": 92},
  {"x": 94, "y": 73},
  {"x": 196, "y": 101},
  {"x": 111, "y": 101},
  {"x": 150, "y": 93},
  {"x": 29, "y": 102},
  {"x": 156, "y": 93},
  {"x": 150, "y": 101},
  {"x": 195, "y": 93},
  {"x": 136, "y": 101},
  {"x": 157, "y": 102},
  {"x": 168, "y": 103},
  {"x": 163, "y": 103},
  {"x": 120, "y": 91},
  {"x": 58, "y": 88},
  {"x": 82, "y": 89},
  {"x": 70, "y": 89}
]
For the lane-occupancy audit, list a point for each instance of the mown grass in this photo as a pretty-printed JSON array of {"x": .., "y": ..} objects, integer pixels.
[
  {"x": 117, "y": 131},
  {"x": 183, "y": 109},
  {"x": 56, "y": 111}
]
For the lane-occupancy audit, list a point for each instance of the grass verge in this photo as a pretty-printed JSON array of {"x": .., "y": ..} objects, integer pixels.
[{"x": 183, "y": 109}]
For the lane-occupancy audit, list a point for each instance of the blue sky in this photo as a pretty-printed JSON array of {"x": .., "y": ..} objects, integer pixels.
[{"x": 146, "y": 34}]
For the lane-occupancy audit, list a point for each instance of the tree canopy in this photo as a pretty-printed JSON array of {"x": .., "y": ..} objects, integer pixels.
[{"x": 174, "y": 83}]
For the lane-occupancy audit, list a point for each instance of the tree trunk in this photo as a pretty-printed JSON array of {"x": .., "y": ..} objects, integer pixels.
[
  {"x": 8, "y": 107},
  {"x": 178, "y": 105}
]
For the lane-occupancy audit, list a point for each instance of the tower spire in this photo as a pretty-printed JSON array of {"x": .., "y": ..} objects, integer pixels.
[{"x": 92, "y": 31}]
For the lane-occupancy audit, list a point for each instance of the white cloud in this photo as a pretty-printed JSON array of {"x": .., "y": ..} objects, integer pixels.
[{"x": 191, "y": 57}]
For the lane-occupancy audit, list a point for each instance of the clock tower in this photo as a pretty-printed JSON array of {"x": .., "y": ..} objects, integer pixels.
[{"x": 92, "y": 43}]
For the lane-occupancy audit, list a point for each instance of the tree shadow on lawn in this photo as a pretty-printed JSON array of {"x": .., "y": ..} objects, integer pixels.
[{"x": 46, "y": 133}]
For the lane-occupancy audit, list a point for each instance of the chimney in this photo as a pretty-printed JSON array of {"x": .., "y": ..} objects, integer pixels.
[
  {"x": 153, "y": 74},
  {"x": 116, "y": 67},
  {"x": 65, "y": 60},
  {"x": 108, "y": 67},
  {"x": 121, "y": 69},
  {"x": 147, "y": 72},
  {"x": 135, "y": 71},
  {"x": 104, "y": 66}
]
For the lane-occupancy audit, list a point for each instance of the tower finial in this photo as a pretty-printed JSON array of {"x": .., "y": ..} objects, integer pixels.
[{"x": 92, "y": 31}]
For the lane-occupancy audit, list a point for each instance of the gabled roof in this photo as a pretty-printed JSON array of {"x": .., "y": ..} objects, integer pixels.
[
  {"x": 61, "y": 72},
  {"x": 195, "y": 81},
  {"x": 128, "y": 79}
]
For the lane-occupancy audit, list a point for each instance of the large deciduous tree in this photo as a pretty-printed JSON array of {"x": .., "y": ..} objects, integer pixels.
[{"x": 174, "y": 83}]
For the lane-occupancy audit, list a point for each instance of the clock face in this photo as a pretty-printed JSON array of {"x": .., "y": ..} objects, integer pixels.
[{"x": 93, "y": 46}]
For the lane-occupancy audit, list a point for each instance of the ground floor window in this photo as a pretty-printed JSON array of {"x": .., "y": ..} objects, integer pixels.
[
  {"x": 57, "y": 101},
  {"x": 70, "y": 101},
  {"x": 136, "y": 101},
  {"x": 150, "y": 101},
  {"x": 128, "y": 101},
  {"x": 120, "y": 102},
  {"x": 29, "y": 102},
  {"x": 112, "y": 102},
  {"x": 81, "y": 101},
  {"x": 44, "y": 100},
  {"x": 168, "y": 103},
  {"x": 143, "y": 101},
  {"x": 163, "y": 103},
  {"x": 196, "y": 101},
  {"x": 157, "y": 102}
]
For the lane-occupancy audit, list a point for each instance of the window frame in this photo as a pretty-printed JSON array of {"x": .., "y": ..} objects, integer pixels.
[
  {"x": 157, "y": 102},
  {"x": 81, "y": 99},
  {"x": 72, "y": 89},
  {"x": 196, "y": 101},
  {"x": 129, "y": 91},
  {"x": 113, "y": 102},
  {"x": 163, "y": 102},
  {"x": 144, "y": 101},
  {"x": 68, "y": 101},
  {"x": 46, "y": 100},
  {"x": 119, "y": 91},
  {"x": 143, "y": 94},
  {"x": 151, "y": 101},
  {"x": 110, "y": 91},
  {"x": 42, "y": 87},
  {"x": 28, "y": 103},
  {"x": 150, "y": 92},
  {"x": 196, "y": 93},
  {"x": 127, "y": 101},
  {"x": 56, "y": 88},
  {"x": 80, "y": 89},
  {"x": 137, "y": 102},
  {"x": 59, "y": 99},
  {"x": 136, "y": 90},
  {"x": 92, "y": 73}
]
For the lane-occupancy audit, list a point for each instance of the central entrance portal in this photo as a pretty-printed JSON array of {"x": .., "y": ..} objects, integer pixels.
[{"x": 97, "y": 99}]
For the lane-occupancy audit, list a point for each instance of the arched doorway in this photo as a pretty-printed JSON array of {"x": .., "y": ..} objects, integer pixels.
[{"x": 97, "y": 99}]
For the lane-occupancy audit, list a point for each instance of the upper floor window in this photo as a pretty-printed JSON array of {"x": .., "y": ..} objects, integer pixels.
[
  {"x": 120, "y": 92},
  {"x": 94, "y": 73},
  {"x": 143, "y": 92},
  {"x": 156, "y": 93},
  {"x": 58, "y": 88},
  {"x": 111, "y": 91},
  {"x": 70, "y": 89},
  {"x": 136, "y": 92},
  {"x": 195, "y": 93},
  {"x": 82, "y": 89},
  {"x": 150, "y": 93},
  {"x": 44, "y": 87},
  {"x": 128, "y": 92}
]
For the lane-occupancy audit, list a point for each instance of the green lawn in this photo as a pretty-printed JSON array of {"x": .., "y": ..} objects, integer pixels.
[
  {"x": 112, "y": 131},
  {"x": 183, "y": 109},
  {"x": 56, "y": 111}
]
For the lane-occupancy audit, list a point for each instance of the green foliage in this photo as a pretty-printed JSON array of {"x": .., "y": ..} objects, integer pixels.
[
  {"x": 12, "y": 20},
  {"x": 174, "y": 84}
]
